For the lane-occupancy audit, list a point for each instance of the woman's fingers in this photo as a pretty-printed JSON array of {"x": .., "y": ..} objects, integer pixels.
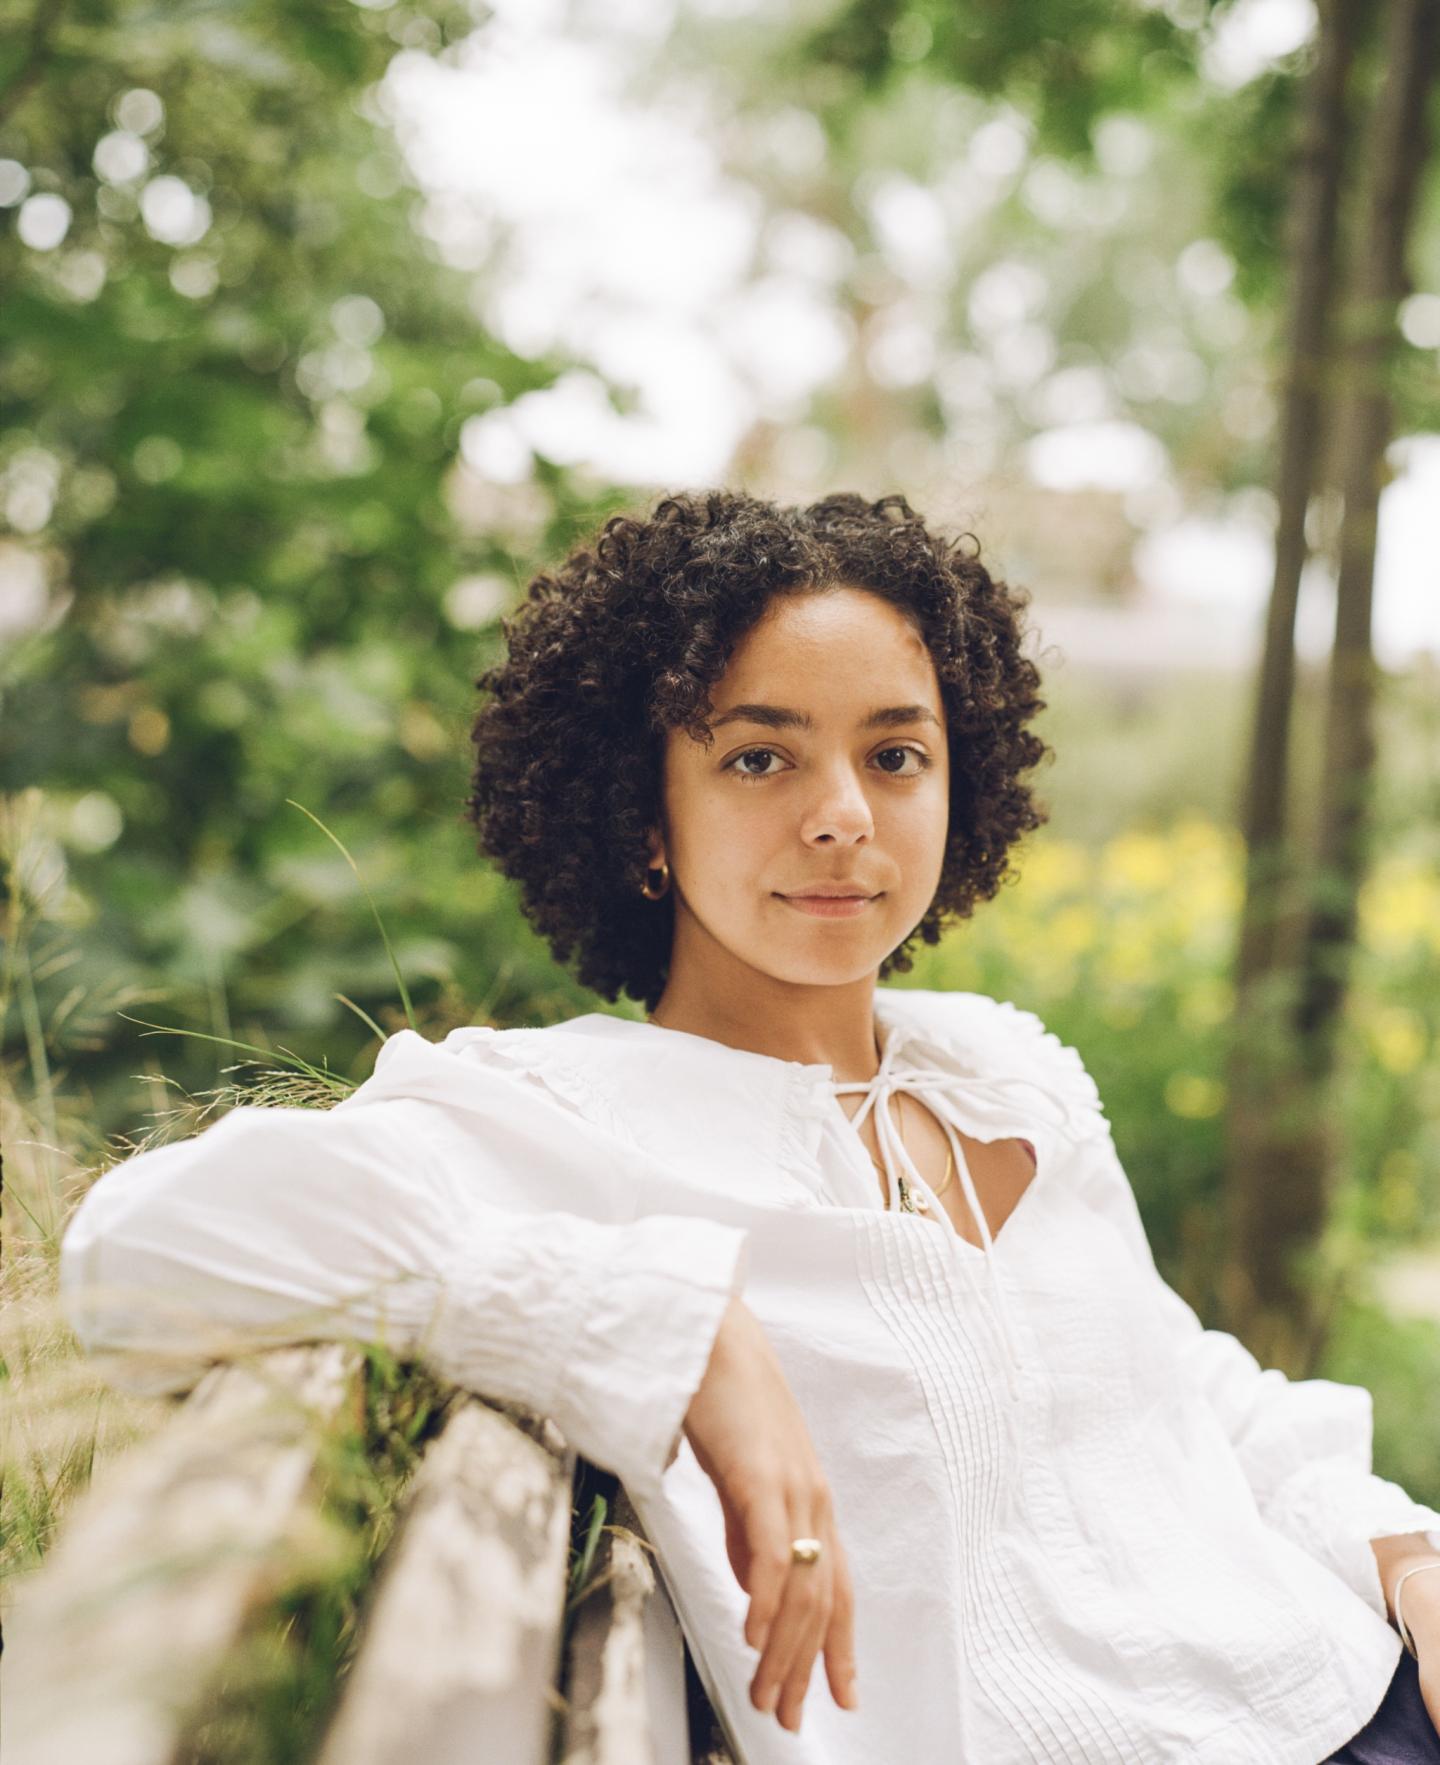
[
  {"x": 768, "y": 1551},
  {"x": 840, "y": 1638},
  {"x": 795, "y": 1680},
  {"x": 770, "y": 1567},
  {"x": 833, "y": 1632},
  {"x": 803, "y": 1618}
]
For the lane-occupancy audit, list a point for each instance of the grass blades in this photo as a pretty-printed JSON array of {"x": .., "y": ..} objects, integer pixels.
[{"x": 374, "y": 910}]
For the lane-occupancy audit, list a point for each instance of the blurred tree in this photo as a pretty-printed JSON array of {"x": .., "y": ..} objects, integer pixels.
[
  {"x": 1285, "y": 1152},
  {"x": 236, "y": 385},
  {"x": 1269, "y": 1214},
  {"x": 1044, "y": 219}
]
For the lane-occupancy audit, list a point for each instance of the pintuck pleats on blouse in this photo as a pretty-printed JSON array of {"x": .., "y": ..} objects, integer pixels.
[{"x": 1080, "y": 1526}]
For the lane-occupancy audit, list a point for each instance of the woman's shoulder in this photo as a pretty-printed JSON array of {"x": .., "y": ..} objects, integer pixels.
[
  {"x": 533, "y": 1059},
  {"x": 997, "y": 1038},
  {"x": 522, "y": 1047},
  {"x": 690, "y": 1102}
]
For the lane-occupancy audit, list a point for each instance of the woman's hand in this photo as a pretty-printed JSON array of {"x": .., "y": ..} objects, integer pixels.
[{"x": 750, "y": 1439}]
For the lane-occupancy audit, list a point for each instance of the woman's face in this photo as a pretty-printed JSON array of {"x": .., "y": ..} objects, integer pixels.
[{"x": 829, "y": 764}]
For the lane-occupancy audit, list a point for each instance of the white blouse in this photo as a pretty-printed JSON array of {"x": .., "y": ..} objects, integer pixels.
[{"x": 1081, "y": 1527}]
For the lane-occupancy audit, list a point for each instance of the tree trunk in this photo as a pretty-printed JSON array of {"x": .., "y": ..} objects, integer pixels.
[
  {"x": 1289, "y": 1194},
  {"x": 1397, "y": 157},
  {"x": 1398, "y": 154},
  {"x": 1260, "y": 1199}
]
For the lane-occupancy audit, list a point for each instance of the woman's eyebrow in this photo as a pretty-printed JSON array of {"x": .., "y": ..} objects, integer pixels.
[{"x": 781, "y": 717}]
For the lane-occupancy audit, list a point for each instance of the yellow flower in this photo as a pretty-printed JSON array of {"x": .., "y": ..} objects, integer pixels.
[
  {"x": 1122, "y": 1011},
  {"x": 1399, "y": 1194},
  {"x": 1398, "y": 1037},
  {"x": 1055, "y": 867},
  {"x": 149, "y": 731},
  {"x": 1132, "y": 957},
  {"x": 1207, "y": 1001},
  {"x": 1073, "y": 929},
  {"x": 1399, "y": 903},
  {"x": 1193, "y": 1096},
  {"x": 1137, "y": 860}
]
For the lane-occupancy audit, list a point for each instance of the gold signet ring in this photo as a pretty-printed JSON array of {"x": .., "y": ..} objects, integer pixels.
[{"x": 804, "y": 1550}]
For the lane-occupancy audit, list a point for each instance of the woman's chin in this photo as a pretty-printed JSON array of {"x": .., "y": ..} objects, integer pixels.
[{"x": 821, "y": 953}]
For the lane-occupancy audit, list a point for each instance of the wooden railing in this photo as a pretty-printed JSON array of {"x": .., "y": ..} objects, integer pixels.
[{"x": 135, "y": 1642}]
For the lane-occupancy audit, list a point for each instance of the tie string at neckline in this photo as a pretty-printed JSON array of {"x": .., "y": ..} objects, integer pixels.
[{"x": 938, "y": 1086}]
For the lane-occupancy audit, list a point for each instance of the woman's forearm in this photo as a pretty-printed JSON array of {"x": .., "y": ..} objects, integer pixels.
[{"x": 1396, "y": 1554}]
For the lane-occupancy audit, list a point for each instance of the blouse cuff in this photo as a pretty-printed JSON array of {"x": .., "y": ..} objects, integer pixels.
[
  {"x": 607, "y": 1329},
  {"x": 1333, "y": 1511}
]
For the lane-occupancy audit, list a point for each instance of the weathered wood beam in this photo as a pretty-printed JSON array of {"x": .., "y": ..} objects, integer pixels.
[
  {"x": 607, "y": 1716},
  {"x": 114, "y": 1639},
  {"x": 461, "y": 1642}
]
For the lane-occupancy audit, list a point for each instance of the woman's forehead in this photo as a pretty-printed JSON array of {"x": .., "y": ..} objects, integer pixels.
[{"x": 830, "y": 649}]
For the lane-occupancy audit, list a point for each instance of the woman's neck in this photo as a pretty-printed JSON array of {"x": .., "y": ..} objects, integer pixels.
[{"x": 827, "y": 1026}]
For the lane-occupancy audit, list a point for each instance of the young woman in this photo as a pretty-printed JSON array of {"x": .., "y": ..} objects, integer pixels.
[{"x": 843, "y": 1280}]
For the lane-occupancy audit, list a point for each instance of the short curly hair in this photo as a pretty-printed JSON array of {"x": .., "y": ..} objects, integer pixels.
[{"x": 623, "y": 642}]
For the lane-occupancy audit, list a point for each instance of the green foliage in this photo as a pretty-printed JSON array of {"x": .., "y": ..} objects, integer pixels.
[
  {"x": 594, "y": 1496},
  {"x": 1255, "y": 159},
  {"x": 374, "y": 914},
  {"x": 1226, "y": 160},
  {"x": 1065, "y": 68},
  {"x": 242, "y": 446}
]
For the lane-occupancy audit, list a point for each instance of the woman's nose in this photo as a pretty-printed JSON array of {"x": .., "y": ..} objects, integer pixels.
[{"x": 839, "y": 809}]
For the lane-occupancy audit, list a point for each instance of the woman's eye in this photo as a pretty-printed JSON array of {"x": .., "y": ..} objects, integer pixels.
[
  {"x": 923, "y": 762},
  {"x": 737, "y": 764},
  {"x": 739, "y": 767}
]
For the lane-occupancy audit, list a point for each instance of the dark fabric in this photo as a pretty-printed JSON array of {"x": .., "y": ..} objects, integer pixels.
[{"x": 1400, "y": 1732}]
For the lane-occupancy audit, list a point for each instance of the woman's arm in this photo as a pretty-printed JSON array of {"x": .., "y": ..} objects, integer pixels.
[
  {"x": 1396, "y": 1554},
  {"x": 465, "y": 1215},
  {"x": 1303, "y": 1445},
  {"x": 1419, "y": 1604},
  {"x": 480, "y": 1227}
]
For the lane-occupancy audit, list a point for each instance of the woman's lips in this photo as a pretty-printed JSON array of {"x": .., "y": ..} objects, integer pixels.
[{"x": 831, "y": 906}]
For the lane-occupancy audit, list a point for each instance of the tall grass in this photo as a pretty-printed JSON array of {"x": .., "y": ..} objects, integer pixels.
[{"x": 59, "y": 1421}]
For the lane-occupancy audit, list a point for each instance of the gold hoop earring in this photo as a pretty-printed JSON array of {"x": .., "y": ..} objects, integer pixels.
[{"x": 655, "y": 894}]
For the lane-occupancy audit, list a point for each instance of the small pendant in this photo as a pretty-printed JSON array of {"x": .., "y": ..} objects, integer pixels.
[{"x": 911, "y": 1201}]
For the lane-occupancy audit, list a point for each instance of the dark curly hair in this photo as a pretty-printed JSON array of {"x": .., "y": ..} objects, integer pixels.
[{"x": 623, "y": 643}]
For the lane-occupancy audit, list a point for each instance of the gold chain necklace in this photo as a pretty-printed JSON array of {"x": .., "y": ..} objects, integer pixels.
[{"x": 910, "y": 1202}]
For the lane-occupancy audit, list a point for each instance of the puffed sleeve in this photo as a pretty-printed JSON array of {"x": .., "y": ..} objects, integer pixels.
[
  {"x": 447, "y": 1208},
  {"x": 1304, "y": 1445}
]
